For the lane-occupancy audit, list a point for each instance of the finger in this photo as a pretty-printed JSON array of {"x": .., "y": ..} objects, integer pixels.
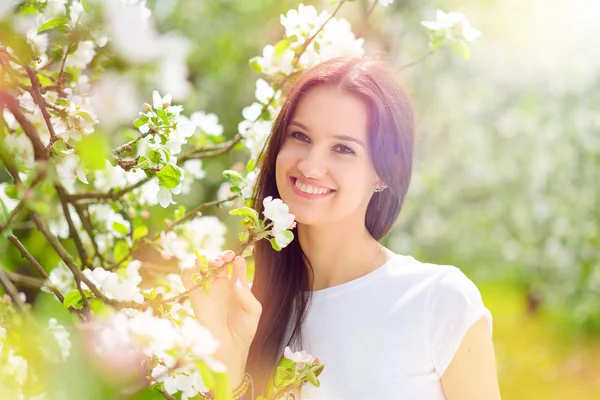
[
  {"x": 240, "y": 270},
  {"x": 248, "y": 302},
  {"x": 228, "y": 255}
]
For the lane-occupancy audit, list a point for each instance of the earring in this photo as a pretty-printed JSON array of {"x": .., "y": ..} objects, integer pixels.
[{"x": 379, "y": 188}]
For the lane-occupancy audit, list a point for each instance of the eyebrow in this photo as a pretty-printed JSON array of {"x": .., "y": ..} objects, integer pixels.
[{"x": 341, "y": 137}]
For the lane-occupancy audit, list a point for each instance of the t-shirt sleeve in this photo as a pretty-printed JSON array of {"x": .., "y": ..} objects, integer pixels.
[{"x": 453, "y": 305}]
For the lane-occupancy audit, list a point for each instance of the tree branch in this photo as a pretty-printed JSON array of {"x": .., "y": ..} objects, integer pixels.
[
  {"x": 27, "y": 255},
  {"x": 12, "y": 215},
  {"x": 39, "y": 150},
  {"x": 128, "y": 146},
  {"x": 73, "y": 234},
  {"x": 12, "y": 292},
  {"x": 40, "y": 101}
]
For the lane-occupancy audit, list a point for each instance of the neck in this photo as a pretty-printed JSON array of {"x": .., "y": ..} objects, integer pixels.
[{"x": 340, "y": 253}]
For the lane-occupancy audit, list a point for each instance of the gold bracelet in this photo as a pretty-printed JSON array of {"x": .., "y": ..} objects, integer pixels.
[{"x": 237, "y": 393}]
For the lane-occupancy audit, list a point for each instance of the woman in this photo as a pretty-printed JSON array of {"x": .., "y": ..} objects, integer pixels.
[{"x": 385, "y": 325}]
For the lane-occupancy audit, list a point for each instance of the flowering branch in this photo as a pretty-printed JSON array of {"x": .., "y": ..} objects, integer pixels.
[
  {"x": 39, "y": 150},
  {"x": 39, "y": 100},
  {"x": 189, "y": 215}
]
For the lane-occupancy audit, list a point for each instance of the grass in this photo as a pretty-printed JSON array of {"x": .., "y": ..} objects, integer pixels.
[{"x": 538, "y": 358}]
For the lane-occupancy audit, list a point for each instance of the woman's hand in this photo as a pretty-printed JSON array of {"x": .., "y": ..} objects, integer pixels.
[{"x": 230, "y": 311}]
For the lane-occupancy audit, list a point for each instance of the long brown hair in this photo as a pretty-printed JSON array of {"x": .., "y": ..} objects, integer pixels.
[{"x": 282, "y": 278}]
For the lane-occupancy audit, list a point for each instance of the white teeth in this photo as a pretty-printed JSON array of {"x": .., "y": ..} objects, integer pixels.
[{"x": 310, "y": 189}]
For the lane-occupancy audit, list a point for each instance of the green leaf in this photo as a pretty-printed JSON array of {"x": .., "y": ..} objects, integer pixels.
[
  {"x": 243, "y": 236},
  {"x": 143, "y": 162},
  {"x": 234, "y": 176},
  {"x": 201, "y": 259},
  {"x": 140, "y": 121},
  {"x": 73, "y": 48},
  {"x": 53, "y": 23},
  {"x": 461, "y": 48},
  {"x": 44, "y": 80},
  {"x": 246, "y": 212},
  {"x": 221, "y": 390},
  {"x": 312, "y": 378},
  {"x": 162, "y": 113},
  {"x": 154, "y": 156},
  {"x": 254, "y": 64},
  {"x": 169, "y": 177},
  {"x": 73, "y": 298},
  {"x": 208, "y": 376},
  {"x": 139, "y": 232},
  {"x": 60, "y": 147},
  {"x": 316, "y": 46},
  {"x": 120, "y": 228},
  {"x": 121, "y": 250},
  {"x": 93, "y": 151},
  {"x": 149, "y": 294},
  {"x": 180, "y": 212},
  {"x": 281, "y": 46},
  {"x": 274, "y": 244},
  {"x": 251, "y": 165}
]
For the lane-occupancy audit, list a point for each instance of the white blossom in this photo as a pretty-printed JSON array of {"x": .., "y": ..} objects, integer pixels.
[
  {"x": 159, "y": 102},
  {"x": 116, "y": 286},
  {"x": 453, "y": 25},
  {"x": 299, "y": 356},
  {"x": 61, "y": 278},
  {"x": 21, "y": 149},
  {"x": 278, "y": 212},
  {"x": 249, "y": 182},
  {"x": 8, "y": 203},
  {"x": 82, "y": 56},
  {"x": 207, "y": 123},
  {"x": 61, "y": 335},
  {"x": 205, "y": 234},
  {"x": 385, "y": 3},
  {"x": 178, "y": 137},
  {"x": 69, "y": 169}
]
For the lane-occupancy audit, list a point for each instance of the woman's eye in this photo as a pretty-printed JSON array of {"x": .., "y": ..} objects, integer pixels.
[
  {"x": 340, "y": 148},
  {"x": 300, "y": 136}
]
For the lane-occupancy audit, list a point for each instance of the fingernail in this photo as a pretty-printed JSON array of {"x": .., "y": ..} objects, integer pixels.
[{"x": 238, "y": 283}]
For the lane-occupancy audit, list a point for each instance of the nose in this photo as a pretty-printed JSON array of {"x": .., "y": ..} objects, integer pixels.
[{"x": 313, "y": 164}]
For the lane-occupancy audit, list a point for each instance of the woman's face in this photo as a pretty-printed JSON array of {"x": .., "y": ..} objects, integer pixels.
[{"x": 324, "y": 169}]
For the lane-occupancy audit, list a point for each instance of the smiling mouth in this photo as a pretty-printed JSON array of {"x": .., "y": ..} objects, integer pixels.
[{"x": 309, "y": 189}]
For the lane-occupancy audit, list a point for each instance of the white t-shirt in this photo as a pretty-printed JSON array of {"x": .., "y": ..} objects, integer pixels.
[{"x": 392, "y": 333}]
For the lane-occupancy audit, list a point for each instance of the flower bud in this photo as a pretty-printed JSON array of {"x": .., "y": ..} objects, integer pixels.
[{"x": 146, "y": 107}]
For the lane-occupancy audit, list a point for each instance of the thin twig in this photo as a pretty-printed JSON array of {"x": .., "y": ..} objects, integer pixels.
[
  {"x": 417, "y": 60},
  {"x": 73, "y": 233},
  {"x": 212, "y": 273},
  {"x": 366, "y": 18},
  {"x": 12, "y": 291},
  {"x": 111, "y": 194},
  {"x": 12, "y": 215},
  {"x": 128, "y": 146},
  {"x": 26, "y": 280},
  {"x": 27, "y": 255},
  {"x": 84, "y": 216}
]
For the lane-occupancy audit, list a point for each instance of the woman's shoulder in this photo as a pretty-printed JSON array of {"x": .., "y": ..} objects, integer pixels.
[{"x": 437, "y": 282}]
